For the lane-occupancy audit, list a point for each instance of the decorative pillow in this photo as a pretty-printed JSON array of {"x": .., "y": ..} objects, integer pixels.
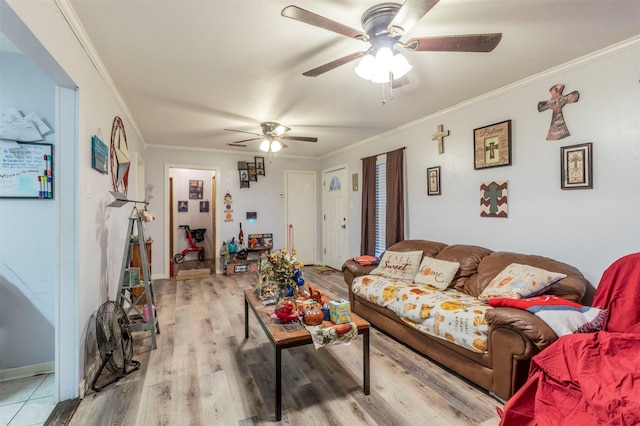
[
  {"x": 399, "y": 265},
  {"x": 517, "y": 281},
  {"x": 561, "y": 315},
  {"x": 436, "y": 273}
]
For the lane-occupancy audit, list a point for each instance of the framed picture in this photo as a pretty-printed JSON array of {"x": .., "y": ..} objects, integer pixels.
[
  {"x": 204, "y": 207},
  {"x": 244, "y": 184},
  {"x": 244, "y": 175},
  {"x": 251, "y": 168},
  {"x": 195, "y": 189},
  {"x": 492, "y": 145},
  {"x": 183, "y": 206},
  {"x": 242, "y": 165},
  {"x": 576, "y": 166},
  {"x": 494, "y": 199},
  {"x": 433, "y": 180},
  {"x": 259, "y": 161}
]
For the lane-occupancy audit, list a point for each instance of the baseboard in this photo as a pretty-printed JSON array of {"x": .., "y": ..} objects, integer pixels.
[{"x": 27, "y": 371}]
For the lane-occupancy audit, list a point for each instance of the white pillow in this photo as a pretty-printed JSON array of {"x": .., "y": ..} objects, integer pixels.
[
  {"x": 436, "y": 273},
  {"x": 399, "y": 265},
  {"x": 518, "y": 281}
]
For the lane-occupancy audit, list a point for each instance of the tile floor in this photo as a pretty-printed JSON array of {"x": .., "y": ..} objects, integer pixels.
[{"x": 27, "y": 402}]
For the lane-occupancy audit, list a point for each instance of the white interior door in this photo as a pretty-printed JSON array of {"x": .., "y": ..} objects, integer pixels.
[
  {"x": 335, "y": 217},
  {"x": 302, "y": 214}
]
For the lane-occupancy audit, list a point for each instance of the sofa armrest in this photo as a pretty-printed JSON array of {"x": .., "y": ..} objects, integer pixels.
[
  {"x": 352, "y": 269},
  {"x": 524, "y": 323}
]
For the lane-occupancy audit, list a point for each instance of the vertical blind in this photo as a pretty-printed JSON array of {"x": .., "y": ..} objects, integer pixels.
[{"x": 381, "y": 204}]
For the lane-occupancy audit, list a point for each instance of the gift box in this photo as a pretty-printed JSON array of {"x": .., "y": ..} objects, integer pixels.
[{"x": 339, "y": 311}]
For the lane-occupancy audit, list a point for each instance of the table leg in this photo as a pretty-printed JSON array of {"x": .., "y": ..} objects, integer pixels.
[
  {"x": 246, "y": 318},
  {"x": 278, "y": 384},
  {"x": 365, "y": 361}
]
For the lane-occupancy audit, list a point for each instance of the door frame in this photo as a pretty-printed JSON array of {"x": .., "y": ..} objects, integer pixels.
[
  {"x": 346, "y": 206},
  {"x": 168, "y": 213}
]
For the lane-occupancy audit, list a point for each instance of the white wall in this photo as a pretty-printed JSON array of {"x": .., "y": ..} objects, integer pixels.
[
  {"x": 585, "y": 228},
  {"x": 262, "y": 196},
  {"x": 100, "y": 230},
  {"x": 27, "y": 234}
]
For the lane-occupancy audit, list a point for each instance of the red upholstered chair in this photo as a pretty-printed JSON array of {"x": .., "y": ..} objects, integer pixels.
[{"x": 592, "y": 378}]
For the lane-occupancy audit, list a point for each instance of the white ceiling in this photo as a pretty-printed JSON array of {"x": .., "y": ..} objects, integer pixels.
[{"x": 189, "y": 69}]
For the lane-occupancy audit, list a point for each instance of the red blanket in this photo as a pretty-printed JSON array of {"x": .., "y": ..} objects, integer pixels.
[{"x": 594, "y": 378}]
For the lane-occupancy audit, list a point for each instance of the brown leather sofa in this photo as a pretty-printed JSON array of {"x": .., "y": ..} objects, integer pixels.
[{"x": 514, "y": 335}]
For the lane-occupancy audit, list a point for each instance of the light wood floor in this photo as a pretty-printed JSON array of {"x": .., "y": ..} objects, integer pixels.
[{"x": 205, "y": 373}]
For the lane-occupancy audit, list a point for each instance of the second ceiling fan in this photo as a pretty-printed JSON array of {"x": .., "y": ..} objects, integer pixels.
[
  {"x": 272, "y": 136},
  {"x": 384, "y": 25}
]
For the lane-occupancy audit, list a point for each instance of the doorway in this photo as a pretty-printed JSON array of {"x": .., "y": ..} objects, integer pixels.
[
  {"x": 334, "y": 191},
  {"x": 194, "y": 188}
]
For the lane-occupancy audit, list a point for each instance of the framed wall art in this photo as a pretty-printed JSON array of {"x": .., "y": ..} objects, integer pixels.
[
  {"x": 259, "y": 161},
  {"x": 204, "y": 207},
  {"x": 494, "y": 199},
  {"x": 242, "y": 165},
  {"x": 195, "y": 189},
  {"x": 253, "y": 177},
  {"x": 183, "y": 206},
  {"x": 576, "y": 166},
  {"x": 433, "y": 180},
  {"x": 492, "y": 145}
]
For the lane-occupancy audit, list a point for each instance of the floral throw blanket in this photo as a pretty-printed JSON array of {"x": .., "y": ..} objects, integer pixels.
[{"x": 447, "y": 314}]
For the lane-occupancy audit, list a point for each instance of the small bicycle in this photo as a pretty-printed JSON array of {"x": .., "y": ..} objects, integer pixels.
[{"x": 194, "y": 236}]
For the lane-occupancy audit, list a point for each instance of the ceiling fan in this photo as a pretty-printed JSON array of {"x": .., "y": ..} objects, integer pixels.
[
  {"x": 272, "y": 136},
  {"x": 384, "y": 24}
]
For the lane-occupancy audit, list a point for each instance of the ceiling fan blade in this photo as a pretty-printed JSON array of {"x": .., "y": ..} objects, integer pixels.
[
  {"x": 460, "y": 43},
  {"x": 242, "y": 131},
  {"x": 302, "y": 15},
  {"x": 408, "y": 15},
  {"x": 333, "y": 64},
  {"x": 248, "y": 140},
  {"x": 235, "y": 144},
  {"x": 300, "y": 138}
]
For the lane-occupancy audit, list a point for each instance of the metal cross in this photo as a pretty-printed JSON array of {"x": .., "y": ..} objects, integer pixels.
[{"x": 440, "y": 138}]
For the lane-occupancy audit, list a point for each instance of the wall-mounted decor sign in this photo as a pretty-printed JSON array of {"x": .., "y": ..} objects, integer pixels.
[
  {"x": 433, "y": 180},
  {"x": 558, "y": 128},
  {"x": 195, "y": 189},
  {"x": 26, "y": 170},
  {"x": 99, "y": 155},
  {"x": 492, "y": 145},
  {"x": 576, "y": 166},
  {"x": 494, "y": 199}
]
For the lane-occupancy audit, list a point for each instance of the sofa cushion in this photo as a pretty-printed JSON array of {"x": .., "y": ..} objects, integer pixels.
[
  {"x": 436, "y": 273},
  {"x": 517, "y": 281},
  {"x": 399, "y": 265},
  {"x": 449, "y": 314},
  {"x": 468, "y": 256}
]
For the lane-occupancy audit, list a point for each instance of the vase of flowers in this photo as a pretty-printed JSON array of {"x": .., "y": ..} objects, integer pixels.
[{"x": 282, "y": 272}]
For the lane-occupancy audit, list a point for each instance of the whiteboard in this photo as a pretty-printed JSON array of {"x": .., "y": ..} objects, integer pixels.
[{"x": 26, "y": 170}]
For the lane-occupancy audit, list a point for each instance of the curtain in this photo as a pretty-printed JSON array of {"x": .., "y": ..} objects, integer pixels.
[
  {"x": 368, "y": 220},
  {"x": 395, "y": 196}
]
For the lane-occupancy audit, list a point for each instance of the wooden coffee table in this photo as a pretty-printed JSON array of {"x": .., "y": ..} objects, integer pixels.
[{"x": 282, "y": 339}]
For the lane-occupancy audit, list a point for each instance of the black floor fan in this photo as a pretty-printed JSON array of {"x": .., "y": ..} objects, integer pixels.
[{"x": 115, "y": 343}]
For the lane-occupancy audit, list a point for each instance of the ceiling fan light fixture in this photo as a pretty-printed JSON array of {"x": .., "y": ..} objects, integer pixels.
[
  {"x": 265, "y": 145},
  {"x": 276, "y": 146},
  {"x": 280, "y": 130},
  {"x": 400, "y": 66},
  {"x": 384, "y": 65}
]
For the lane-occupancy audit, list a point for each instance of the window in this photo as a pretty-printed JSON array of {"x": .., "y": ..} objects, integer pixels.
[{"x": 381, "y": 204}]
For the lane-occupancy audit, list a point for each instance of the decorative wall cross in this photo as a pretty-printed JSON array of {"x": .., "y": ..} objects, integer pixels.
[
  {"x": 558, "y": 128},
  {"x": 440, "y": 138}
]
